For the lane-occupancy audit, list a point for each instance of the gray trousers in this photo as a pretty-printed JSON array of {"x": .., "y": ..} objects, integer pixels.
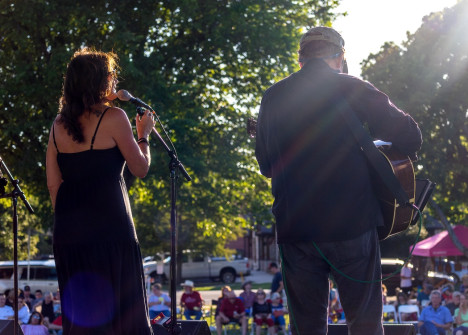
[{"x": 305, "y": 276}]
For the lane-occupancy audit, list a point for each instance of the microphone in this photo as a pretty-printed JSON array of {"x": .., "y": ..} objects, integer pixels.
[{"x": 124, "y": 95}]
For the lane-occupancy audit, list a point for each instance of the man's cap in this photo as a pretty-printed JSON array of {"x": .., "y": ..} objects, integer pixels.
[
  {"x": 188, "y": 283},
  {"x": 27, "y": 288},
  {"x": 447, "y": 288},
  {"x": 322, "y": 34}
]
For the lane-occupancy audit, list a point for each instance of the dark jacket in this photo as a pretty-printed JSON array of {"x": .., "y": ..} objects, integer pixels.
[{"x": 320, "y": 177}]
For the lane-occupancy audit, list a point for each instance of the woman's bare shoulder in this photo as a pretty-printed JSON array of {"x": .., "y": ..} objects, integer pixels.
[{"x": 116, "y": 114}]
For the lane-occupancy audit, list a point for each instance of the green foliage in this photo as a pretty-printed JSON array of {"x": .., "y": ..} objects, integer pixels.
[
  {"x": 428, "y": 77},
  {"x": 30, "y": 233},
  {"x": 203, "y": 65}
]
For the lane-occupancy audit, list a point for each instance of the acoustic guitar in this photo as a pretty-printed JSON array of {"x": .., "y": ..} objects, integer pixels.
[{"x": 396, "y": 217}]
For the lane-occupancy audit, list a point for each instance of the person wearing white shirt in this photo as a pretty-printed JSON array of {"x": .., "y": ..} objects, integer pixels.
[
  {"x": 158, "y": 302},
  {"x": 405, "y": 279},
  {"x": 6, "y": 312},
  {"x": 23, "y": 311}
]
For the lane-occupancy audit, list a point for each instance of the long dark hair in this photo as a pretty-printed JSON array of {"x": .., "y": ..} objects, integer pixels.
[
  {"x": 86, "y": 83},
  {"x": 41, "y": 318}
]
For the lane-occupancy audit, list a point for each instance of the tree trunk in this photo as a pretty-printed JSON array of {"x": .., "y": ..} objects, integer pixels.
[{"x": 449, "y": 229}]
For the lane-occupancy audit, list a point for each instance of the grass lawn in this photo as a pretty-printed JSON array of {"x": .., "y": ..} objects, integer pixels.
[
  {"x": 235, "y": 329},
  {"x": 218, "y": 286},
  {"x": 235, "y": 286}
]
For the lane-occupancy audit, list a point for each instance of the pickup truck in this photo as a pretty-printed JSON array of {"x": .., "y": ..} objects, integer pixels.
[{"x": 199, "y": 265}]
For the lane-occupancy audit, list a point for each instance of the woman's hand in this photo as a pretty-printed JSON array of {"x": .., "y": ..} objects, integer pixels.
[{"x": 144, "y": 124}]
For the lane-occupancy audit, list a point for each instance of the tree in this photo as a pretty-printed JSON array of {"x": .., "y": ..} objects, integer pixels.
[
  {"x": 202, "y": 65},
  {"x": 427, "y": 77}
]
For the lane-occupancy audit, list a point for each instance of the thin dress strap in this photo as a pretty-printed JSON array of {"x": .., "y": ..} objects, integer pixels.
[
  {"x": 53, "y": 135},
  {"x": 95, "y": 132}
]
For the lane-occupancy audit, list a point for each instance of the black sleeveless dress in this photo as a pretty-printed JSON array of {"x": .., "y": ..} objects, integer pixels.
[{"x": 96, "y": 249}]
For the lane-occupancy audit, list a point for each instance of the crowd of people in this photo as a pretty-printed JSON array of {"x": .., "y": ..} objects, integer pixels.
[
  {"x": 440, "y": 307},
  {"x": 38, "y": 313},
  {"x": 264, "y": 309},
  {"x": 443, "y": 309}
]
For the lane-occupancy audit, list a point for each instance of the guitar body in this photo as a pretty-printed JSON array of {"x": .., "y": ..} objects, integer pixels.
[{"x": 396, "y": 218}]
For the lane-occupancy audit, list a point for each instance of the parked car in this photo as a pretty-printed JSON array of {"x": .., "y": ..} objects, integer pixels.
[
  {"x": 40, "y": 275},
  {"x": 391, "y": 268},
  {"x": 199, "y": 265}
]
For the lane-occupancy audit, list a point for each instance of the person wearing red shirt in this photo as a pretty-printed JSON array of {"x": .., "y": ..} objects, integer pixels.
[
  {"x": 191, "y": 301},
  {"x": 231, "y": 310},
  {"x": 57, "y": 324}
]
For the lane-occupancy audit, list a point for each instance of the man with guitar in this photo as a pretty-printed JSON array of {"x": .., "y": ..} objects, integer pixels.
[{"x": 324, "y": 204}]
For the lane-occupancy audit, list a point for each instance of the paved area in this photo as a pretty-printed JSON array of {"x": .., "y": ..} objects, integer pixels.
[{"x": 256, "y": 276}]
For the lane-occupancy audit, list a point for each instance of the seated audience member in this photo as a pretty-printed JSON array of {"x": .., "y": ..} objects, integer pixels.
[
  {"x": 447, "y": 292},
  {"x": 461, "y": 317},
  {"x": 35, "y": 326},
  {"x": 47, "y": 307},
  {"x": 278, "y": 310},
  {"x": 231, "y": 310},
  {"x": 158, "y": 302},
  {"x": 23, "y": 310},
  {"x": 6, "y": 312},
  {"x": 455, "y": 303},
  {"x": 261, "y": 311},
  {"x": 423, "y": 296},
  {"x": 37, "y": 298},
  {"x": 57, "y": 305},
  {"x": 435, "y": 318},
  {"x": 224, "y": 291},
  {"x": 28, "y": 297},
  {"x": 56, "y": 325},
  {"x": 191, "y": 301},
  {"x": 247, "y": 296},
  {"x": 402, "y": 299},
  {"x": 464, "y": 284},
  {"x": 10, "y": 300}
]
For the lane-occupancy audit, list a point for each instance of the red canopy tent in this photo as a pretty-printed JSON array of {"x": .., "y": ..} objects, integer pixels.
[{"x": 440, "y": 245}]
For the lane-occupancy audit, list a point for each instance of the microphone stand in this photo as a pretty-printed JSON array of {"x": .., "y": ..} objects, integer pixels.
[
  {"x": 174, "y": 166},
  {"x": 17, "y": 192}
]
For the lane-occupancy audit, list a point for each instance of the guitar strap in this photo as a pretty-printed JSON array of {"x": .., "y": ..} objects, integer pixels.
[{"x": 376, "y": 159}]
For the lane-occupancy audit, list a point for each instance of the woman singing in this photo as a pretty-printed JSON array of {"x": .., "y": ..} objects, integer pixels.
[{"x": 96, "y": 249}]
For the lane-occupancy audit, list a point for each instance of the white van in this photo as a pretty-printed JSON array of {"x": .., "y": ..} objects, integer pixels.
[{"x": 39, "y": 275}]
